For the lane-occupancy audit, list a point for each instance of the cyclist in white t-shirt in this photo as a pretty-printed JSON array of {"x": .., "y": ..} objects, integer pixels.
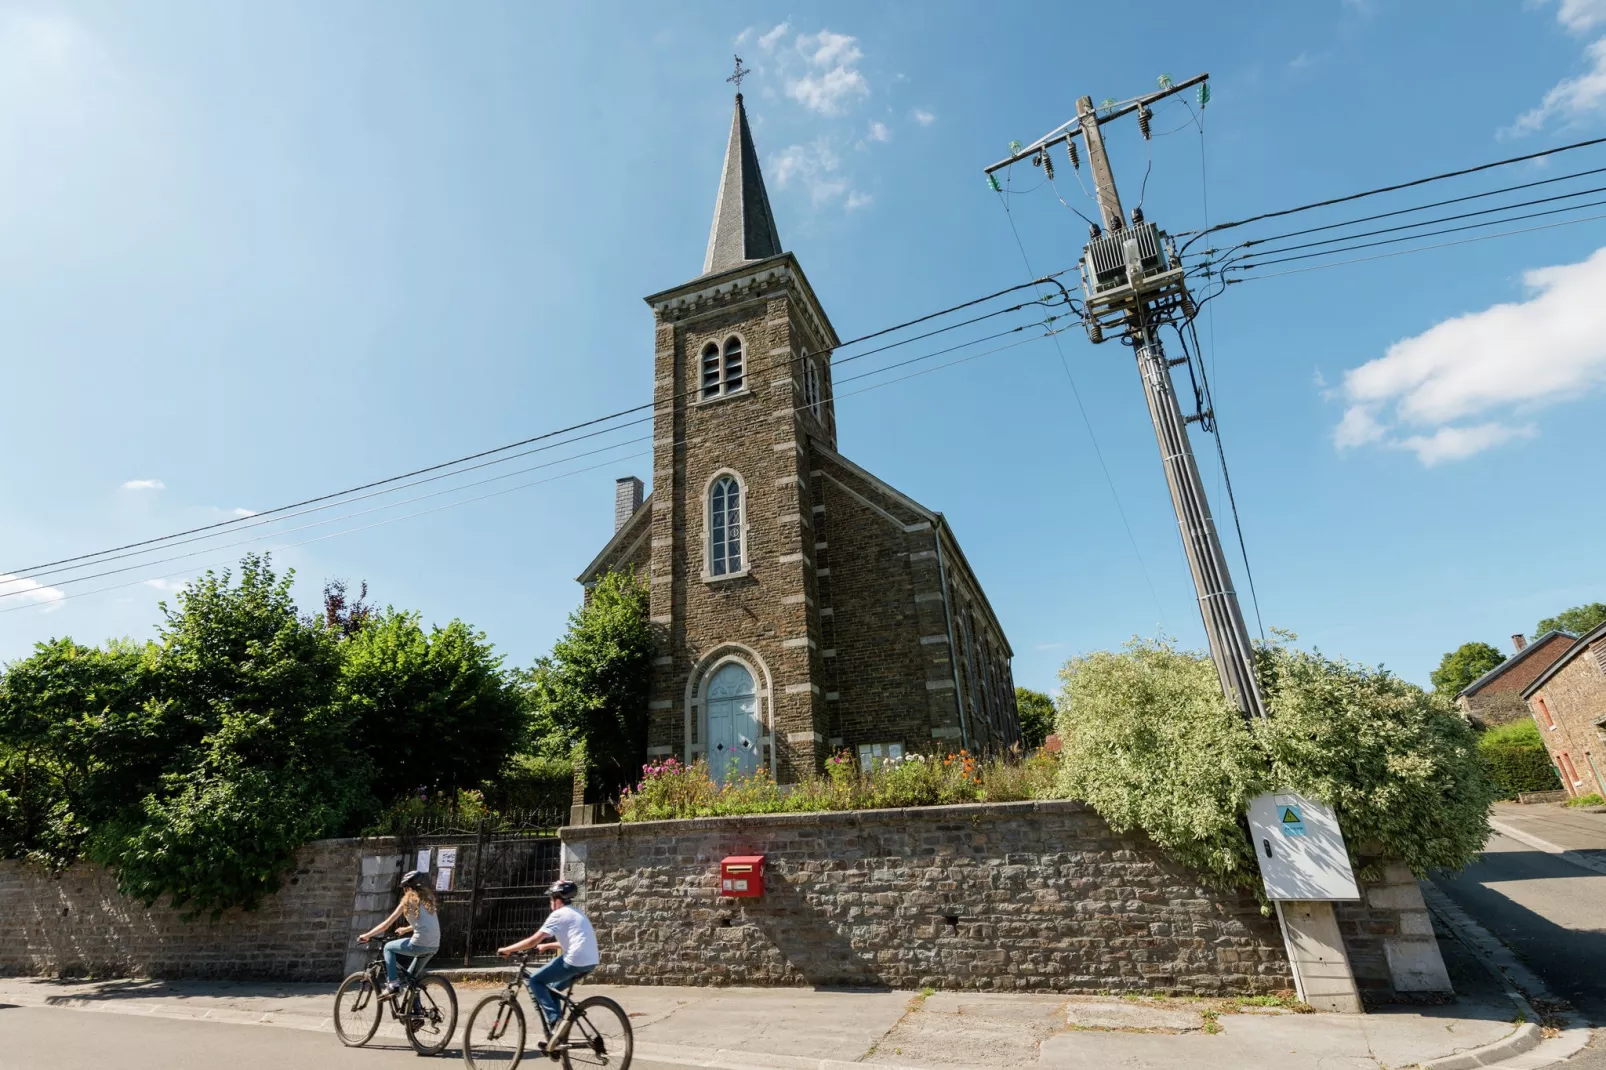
[{"x": 565, "y": 930}]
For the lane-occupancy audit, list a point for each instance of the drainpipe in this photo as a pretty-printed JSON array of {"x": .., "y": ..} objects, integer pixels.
[{"x": 948, "y": 615}]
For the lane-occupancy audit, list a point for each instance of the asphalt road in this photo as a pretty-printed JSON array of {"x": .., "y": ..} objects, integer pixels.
[{"x": 45, "y": 1038}]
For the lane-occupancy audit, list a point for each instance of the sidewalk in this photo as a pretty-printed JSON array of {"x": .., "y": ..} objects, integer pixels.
[{"x": 792, "y": 1029}]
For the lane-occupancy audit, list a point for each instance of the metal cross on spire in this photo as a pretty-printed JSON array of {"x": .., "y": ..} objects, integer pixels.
[{"x": 741, "y": 72}]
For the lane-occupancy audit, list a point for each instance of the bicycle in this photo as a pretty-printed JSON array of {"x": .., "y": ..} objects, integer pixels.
[
  {"x": 425, "y": 1005},
  {"x": 495, "y": 1034}
]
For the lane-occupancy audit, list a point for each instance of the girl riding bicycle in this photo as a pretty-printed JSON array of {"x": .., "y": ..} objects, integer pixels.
[
  {"x": 565, "y": 930},
  {"x": 422, "y": 933}
]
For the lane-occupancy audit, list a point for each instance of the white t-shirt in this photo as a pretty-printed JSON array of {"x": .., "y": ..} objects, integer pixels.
[{"x": 572, "y": 930}]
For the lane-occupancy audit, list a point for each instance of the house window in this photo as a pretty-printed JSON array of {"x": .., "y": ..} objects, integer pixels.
[
  {"x": 811, "y": 386},
  {"x": 1544, "y": 712},
  {"x": 725, "y": 527},
  {"x": 1598, "y": 652},
  {"x": 871, "y": 753},
  {"x": 1568, "y": 772},
  {"x": 722, "y": 369}
]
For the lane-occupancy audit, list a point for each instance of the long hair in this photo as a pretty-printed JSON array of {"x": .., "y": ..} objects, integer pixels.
[{"x": 412, "y": 897}]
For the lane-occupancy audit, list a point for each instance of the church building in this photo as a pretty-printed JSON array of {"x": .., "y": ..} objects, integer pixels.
[{"x": 803, "y": 605}]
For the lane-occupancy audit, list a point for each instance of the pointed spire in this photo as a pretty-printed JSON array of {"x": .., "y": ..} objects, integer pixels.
[{"x": 744, "y": 228}]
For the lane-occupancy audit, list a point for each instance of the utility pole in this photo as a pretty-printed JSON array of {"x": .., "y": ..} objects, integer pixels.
[{"x": 1134, "y": 286}]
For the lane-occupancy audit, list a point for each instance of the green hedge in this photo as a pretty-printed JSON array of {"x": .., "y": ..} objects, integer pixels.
[{"x": 1515, "y": 757}]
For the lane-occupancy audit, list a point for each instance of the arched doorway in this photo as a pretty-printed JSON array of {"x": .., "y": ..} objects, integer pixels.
[{"x": 731, "y": 722}]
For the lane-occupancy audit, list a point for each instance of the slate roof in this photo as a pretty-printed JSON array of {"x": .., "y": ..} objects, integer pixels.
[
  {"x": 1510, "y": 663},
  {"x": 744, "y": 227}
]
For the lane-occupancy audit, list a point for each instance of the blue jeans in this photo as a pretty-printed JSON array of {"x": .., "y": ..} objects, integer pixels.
[
  {"x": 556, "y": 974},
  {"x": 405, "y": 946}
]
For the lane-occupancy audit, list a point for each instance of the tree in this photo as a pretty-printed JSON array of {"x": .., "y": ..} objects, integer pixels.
[
  {"x": 593, "y": 688},
  {"x": 1463, "y": 665},
  {"x": 1577, "y": 620},
  {"x": 343, "y": 613},
  {"x": 430, "y": 710},
  {"x": 1152, "y": 745},
  {"x": 1036, "y": 716}
]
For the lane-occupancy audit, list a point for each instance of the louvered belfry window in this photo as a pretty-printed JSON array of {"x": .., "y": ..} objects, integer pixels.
[
  {"x": 725, "y": 527},
  {"x": 811, "y": 387},
  {"x": 722, "y": 369}
]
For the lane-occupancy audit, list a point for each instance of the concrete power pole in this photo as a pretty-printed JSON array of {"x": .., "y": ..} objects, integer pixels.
[{"x": 1134, "y": 285}]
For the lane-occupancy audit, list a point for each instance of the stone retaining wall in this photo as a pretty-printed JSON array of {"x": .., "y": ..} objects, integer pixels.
[
  {"x": 76, "y": 924},
  {"x": 1023, "y": 896}
]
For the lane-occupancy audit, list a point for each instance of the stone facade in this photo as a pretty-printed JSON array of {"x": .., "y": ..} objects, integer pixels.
[
  {"x": 76, "y": 924},
  {"x": 1012, "y": 896},
  {"x": 853, "y": 616},
  {"x": 1568, "y": 703},
  {"x": 1495, "y": 698}
]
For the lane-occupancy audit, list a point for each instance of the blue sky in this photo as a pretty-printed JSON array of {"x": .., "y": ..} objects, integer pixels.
[{"x": 250, "y": 254}]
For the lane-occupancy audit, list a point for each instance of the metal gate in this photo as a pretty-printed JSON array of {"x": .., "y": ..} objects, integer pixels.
[{"x": 490, "y": 878}]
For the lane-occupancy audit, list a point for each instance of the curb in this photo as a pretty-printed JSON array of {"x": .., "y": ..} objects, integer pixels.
[
  {"x": 1546, "y": 846},
  {"x": 1527, "y": 1048},
  {"x": 726, "y": 1059}
]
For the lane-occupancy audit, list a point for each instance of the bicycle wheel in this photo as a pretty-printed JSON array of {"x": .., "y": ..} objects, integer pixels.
[
  {"x": 599, "y": 1036},
  {"x": 431, "y": 1014},
  {"x": 357, "y": 1007},
  {"x": 494, "y": 1035}
]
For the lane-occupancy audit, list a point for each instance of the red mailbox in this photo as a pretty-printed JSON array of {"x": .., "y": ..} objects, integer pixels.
[{"x": 742, "y": 876}]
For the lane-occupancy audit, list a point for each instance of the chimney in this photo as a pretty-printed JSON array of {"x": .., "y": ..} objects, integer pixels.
[
  {"x": 1519, "y": 641},
  {"x": 626, "y": 500}
]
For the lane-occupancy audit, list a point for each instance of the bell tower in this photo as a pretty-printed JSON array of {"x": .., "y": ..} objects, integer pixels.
[{"x": 741, "y": 386}]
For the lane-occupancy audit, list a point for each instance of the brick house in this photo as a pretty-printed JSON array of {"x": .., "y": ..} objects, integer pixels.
[
  {"x": 1496, "y": 697},
  {"x": 1568, "y": 702},
  {"x": 804, "y": 605}
]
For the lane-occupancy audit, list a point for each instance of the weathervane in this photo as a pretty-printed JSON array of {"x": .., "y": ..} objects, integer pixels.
[{"x": 741, "y": 72}]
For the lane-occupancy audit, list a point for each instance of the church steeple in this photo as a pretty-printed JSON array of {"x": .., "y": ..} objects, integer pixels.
[{"x": 744, "y": 228}]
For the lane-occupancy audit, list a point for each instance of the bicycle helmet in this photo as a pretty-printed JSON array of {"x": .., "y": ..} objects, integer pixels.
[
  {"x": 415, "y": 878},
  {"x": 564, "y": 890}
]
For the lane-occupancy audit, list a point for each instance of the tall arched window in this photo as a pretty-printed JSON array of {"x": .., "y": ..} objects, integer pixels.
[
  {"x": 722, "y": 369},
  {"x": 725, "y": 527},
  {"x": 811, "y": 386}
]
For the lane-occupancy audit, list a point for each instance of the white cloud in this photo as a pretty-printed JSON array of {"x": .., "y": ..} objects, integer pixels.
[
  {"x": 1458, "y": 443},
  {"x": 242, "y": 513},
  {"x": 1299, "y": 62},
  {"x": 856, "y": 200},
  {"x": 167, "y": 586},
  {"x": 1571, "y": 99},
  {"x": 144, "y": 484},
  {"x": 741, "y": 38},
  {"x": 923, "y": 117},
  {"x": 879, "y": 132},
  {"x": 834, "y": 79},
  {"x": 15, "y": 590},
  {"x": 767, "y": 41},
  {"x": 1581, "y": 15},
  {"x": 815, "y": 168},
  {"x": 1484, "y": 366}
]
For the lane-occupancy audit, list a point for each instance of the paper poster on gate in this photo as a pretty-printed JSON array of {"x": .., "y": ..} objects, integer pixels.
[
  {"x": 443, "y": 879},
  {"x": 446, "y": 857},
  {"x": 422, "y": 862},
  {"x": 1300, "y": 849}
]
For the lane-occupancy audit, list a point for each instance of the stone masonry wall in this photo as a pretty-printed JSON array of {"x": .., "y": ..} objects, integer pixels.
[
  {"x": 1026, "y": 896},
  {"x": 77, "y": 924},
  {"x": 1576, "y": 699}
]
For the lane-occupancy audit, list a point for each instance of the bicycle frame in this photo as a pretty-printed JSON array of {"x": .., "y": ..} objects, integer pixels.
[{"x": 565, "y": 1002}]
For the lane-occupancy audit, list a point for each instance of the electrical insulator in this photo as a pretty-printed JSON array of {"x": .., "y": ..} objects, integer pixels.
[
  {"x": 1164, "y": 81},
  {"x": 1095, "y": 333},
  {"x": 1014, "y": 147},
  {"x": 1137, "y": 216},
  {"x": 1188, "y": 307},
  {"x": 992, "y": 184},
  {"x": 1048, "y": 165},
  {"x": 1070, "y": 150},
  {"x": 1144, "y": 115},
  {"x": 1037, "y": 160},
  {"x": 1093, "y": 232},
  {"x": 1203, "y": 94}
]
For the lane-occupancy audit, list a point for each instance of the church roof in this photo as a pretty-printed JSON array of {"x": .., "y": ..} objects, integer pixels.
[{"x": 744, "y": 227}]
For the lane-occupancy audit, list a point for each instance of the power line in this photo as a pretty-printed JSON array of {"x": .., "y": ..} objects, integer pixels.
[
  {"x": 505, "y": 475},
  {"x": 1411, "y": 237},
  {"x": 1397, "y": 186},
  {"x": 1404, "y": 252},
  {"x": 545, "y": 436}
]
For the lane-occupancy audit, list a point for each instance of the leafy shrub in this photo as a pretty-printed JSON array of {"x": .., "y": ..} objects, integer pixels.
[
  {"x": 1592, "y": 799},
  {"x": 1516, "y": 760},
  {"x": 670, "y": 789},
  {"x": 1153, "y": 746}
]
